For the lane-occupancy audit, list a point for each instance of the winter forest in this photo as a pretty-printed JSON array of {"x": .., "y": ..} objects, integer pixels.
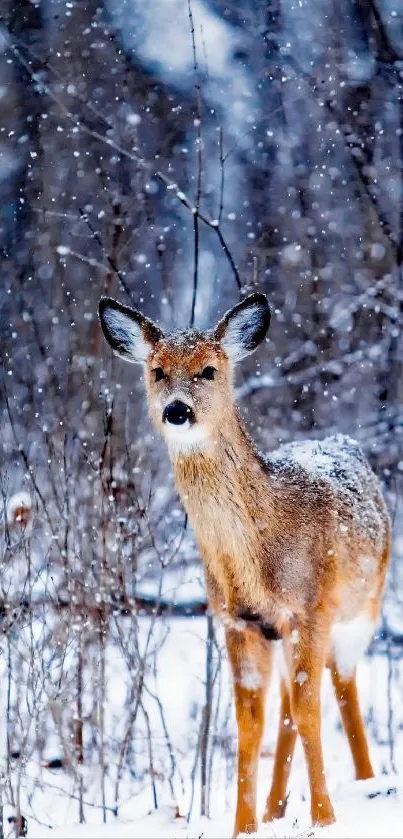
[{"x": 178, "y": 155}]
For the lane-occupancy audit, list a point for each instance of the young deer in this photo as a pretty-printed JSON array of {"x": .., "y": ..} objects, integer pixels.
[{"x": 295, "y": 545}]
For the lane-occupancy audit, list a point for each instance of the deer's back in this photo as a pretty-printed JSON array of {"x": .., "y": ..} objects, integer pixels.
[
  {"x": 331, "y": 482},
  {"x": 337, "y": 469}
]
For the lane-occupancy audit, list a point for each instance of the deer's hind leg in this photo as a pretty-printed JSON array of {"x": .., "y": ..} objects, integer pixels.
[
  {"x": 345, "y": 688},
  {"x": 307, "y": 662},
  {"x": 251, "y": 660},
  {"x": 349, "y": 642},
  {"x": 287, "y": 735}
]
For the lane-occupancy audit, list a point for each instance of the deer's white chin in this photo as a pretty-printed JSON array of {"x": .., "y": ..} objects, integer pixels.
[{"x": 186, "y": 438}]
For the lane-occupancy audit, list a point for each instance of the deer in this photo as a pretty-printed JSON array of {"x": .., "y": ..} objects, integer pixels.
[{"x": 295, "y": 544}]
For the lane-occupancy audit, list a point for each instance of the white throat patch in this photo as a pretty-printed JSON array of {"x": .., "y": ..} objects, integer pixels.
[{"x": 186, "y": 438}]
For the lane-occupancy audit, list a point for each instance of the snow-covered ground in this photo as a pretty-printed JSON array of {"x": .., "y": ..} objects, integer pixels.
[
  {"x": 370, "y": 809},
  {"x": 174, "y": 651},
  {"x": 50, "y": 798}
]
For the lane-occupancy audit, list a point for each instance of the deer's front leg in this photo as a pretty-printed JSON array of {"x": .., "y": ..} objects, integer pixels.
[
  {"x": 307, "y": 659},
  {"x": 251, "y": 659}
]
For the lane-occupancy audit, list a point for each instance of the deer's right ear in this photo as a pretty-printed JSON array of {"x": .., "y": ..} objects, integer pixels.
[{"x": 131, "y": 335}]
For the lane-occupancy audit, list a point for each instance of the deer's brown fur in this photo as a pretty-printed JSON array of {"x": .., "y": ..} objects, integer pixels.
[{"x": 305, "y": 549}]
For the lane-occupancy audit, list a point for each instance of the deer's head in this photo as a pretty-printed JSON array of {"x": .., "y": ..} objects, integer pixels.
[{"x": 188, "y": 374}]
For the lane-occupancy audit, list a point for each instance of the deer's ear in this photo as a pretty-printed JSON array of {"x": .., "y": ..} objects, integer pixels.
[
  {"x": 244, "y": 327},
  {"x": 130, "y": 334}
]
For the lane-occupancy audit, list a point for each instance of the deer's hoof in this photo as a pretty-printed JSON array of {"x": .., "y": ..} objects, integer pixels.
[
  {"x": 245, "y": 824},
  {"x": 275, "y": 811},
  {"x": 323, "y": 814}
]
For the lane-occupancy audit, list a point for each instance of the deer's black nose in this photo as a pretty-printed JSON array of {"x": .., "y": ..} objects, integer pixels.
[{"x": 177, "y": 413}]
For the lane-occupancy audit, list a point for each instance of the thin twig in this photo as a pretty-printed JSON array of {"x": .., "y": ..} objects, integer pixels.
[
  {"x": 222, "y": 173},
  {"x": 195, "y": 266},
  {"x": 111, "y": 262},
  {"x": 229, "y": 256},
  {"x": 199, "y": 170},
  {"x": 205, "y": 735}
]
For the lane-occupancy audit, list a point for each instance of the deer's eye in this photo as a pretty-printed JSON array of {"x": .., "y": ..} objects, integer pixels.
[
  {"x": 159, "y": 374},
  {"x": 208, "y": 373}
]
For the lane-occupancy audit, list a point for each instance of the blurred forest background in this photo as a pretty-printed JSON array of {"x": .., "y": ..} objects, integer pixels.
[{"x": 176, "y": 155}]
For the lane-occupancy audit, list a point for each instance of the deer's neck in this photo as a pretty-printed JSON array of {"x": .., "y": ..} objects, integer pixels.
[
  {"x": 231, "y": 507},
  {"x": 231, "y": 455},
  {"x": 224, "y": 487}
]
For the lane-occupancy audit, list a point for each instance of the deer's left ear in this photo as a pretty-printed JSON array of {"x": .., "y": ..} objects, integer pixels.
[
  {"x": 131, "y": 335},
  {"x": 244, "y": 327}
]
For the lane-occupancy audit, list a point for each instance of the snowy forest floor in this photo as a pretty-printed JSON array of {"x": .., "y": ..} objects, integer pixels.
[{"x": 364, "y": 808}]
